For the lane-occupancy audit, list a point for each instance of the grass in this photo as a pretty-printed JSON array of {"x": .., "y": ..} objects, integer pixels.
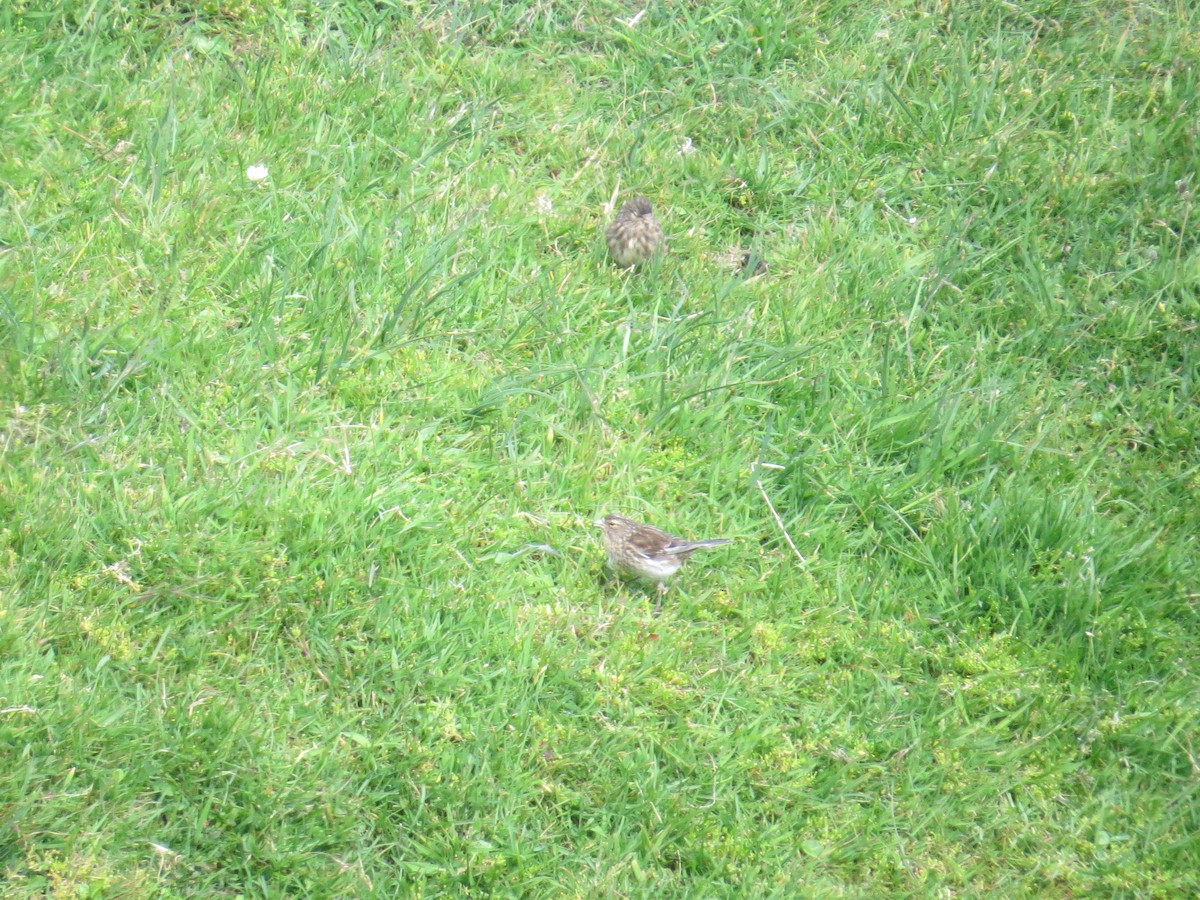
[{"x": 298, "y": 590}]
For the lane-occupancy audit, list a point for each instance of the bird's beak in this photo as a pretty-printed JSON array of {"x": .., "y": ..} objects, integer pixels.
[{"x": 599, "y": 523}]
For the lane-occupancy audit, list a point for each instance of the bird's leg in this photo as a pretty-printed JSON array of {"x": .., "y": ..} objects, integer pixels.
[{"x": 662, "y": 592}]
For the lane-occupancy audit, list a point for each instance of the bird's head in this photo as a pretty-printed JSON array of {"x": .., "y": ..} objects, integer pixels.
[{"x": 641, "y": 207}]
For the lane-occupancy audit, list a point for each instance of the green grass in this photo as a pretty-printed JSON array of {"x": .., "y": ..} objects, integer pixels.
[{"x": 299, "y": 594}]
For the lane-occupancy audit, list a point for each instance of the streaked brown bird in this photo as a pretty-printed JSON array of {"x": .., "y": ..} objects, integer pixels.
[
  {"x": 634, "y": 235},
  {"x": 646, "y": 552}
]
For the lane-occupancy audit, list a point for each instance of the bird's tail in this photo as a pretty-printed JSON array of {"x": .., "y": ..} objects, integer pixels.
[{"x": 704, "y": 545}]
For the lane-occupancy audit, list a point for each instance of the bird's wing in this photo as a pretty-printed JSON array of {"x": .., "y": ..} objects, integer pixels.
[{"x": 650, "y": 542}]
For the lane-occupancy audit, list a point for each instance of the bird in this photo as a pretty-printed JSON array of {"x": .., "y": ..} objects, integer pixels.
[
  {"x": 634, "y": 235},
  {"x": 646, "y": 552}
]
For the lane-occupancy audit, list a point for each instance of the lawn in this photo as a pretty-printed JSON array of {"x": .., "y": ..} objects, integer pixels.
[{"x": 315, "y": 374}]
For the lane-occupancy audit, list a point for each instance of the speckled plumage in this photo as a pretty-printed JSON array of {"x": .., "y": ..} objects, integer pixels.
[
  {"x": 646, "y": 552},
  {"x": 634, "y": 235}
]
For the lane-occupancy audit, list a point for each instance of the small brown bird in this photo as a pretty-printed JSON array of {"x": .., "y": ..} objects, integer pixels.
[
  {"x": 634, "y": 235},
  {"x": 643, "y": 551}
]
